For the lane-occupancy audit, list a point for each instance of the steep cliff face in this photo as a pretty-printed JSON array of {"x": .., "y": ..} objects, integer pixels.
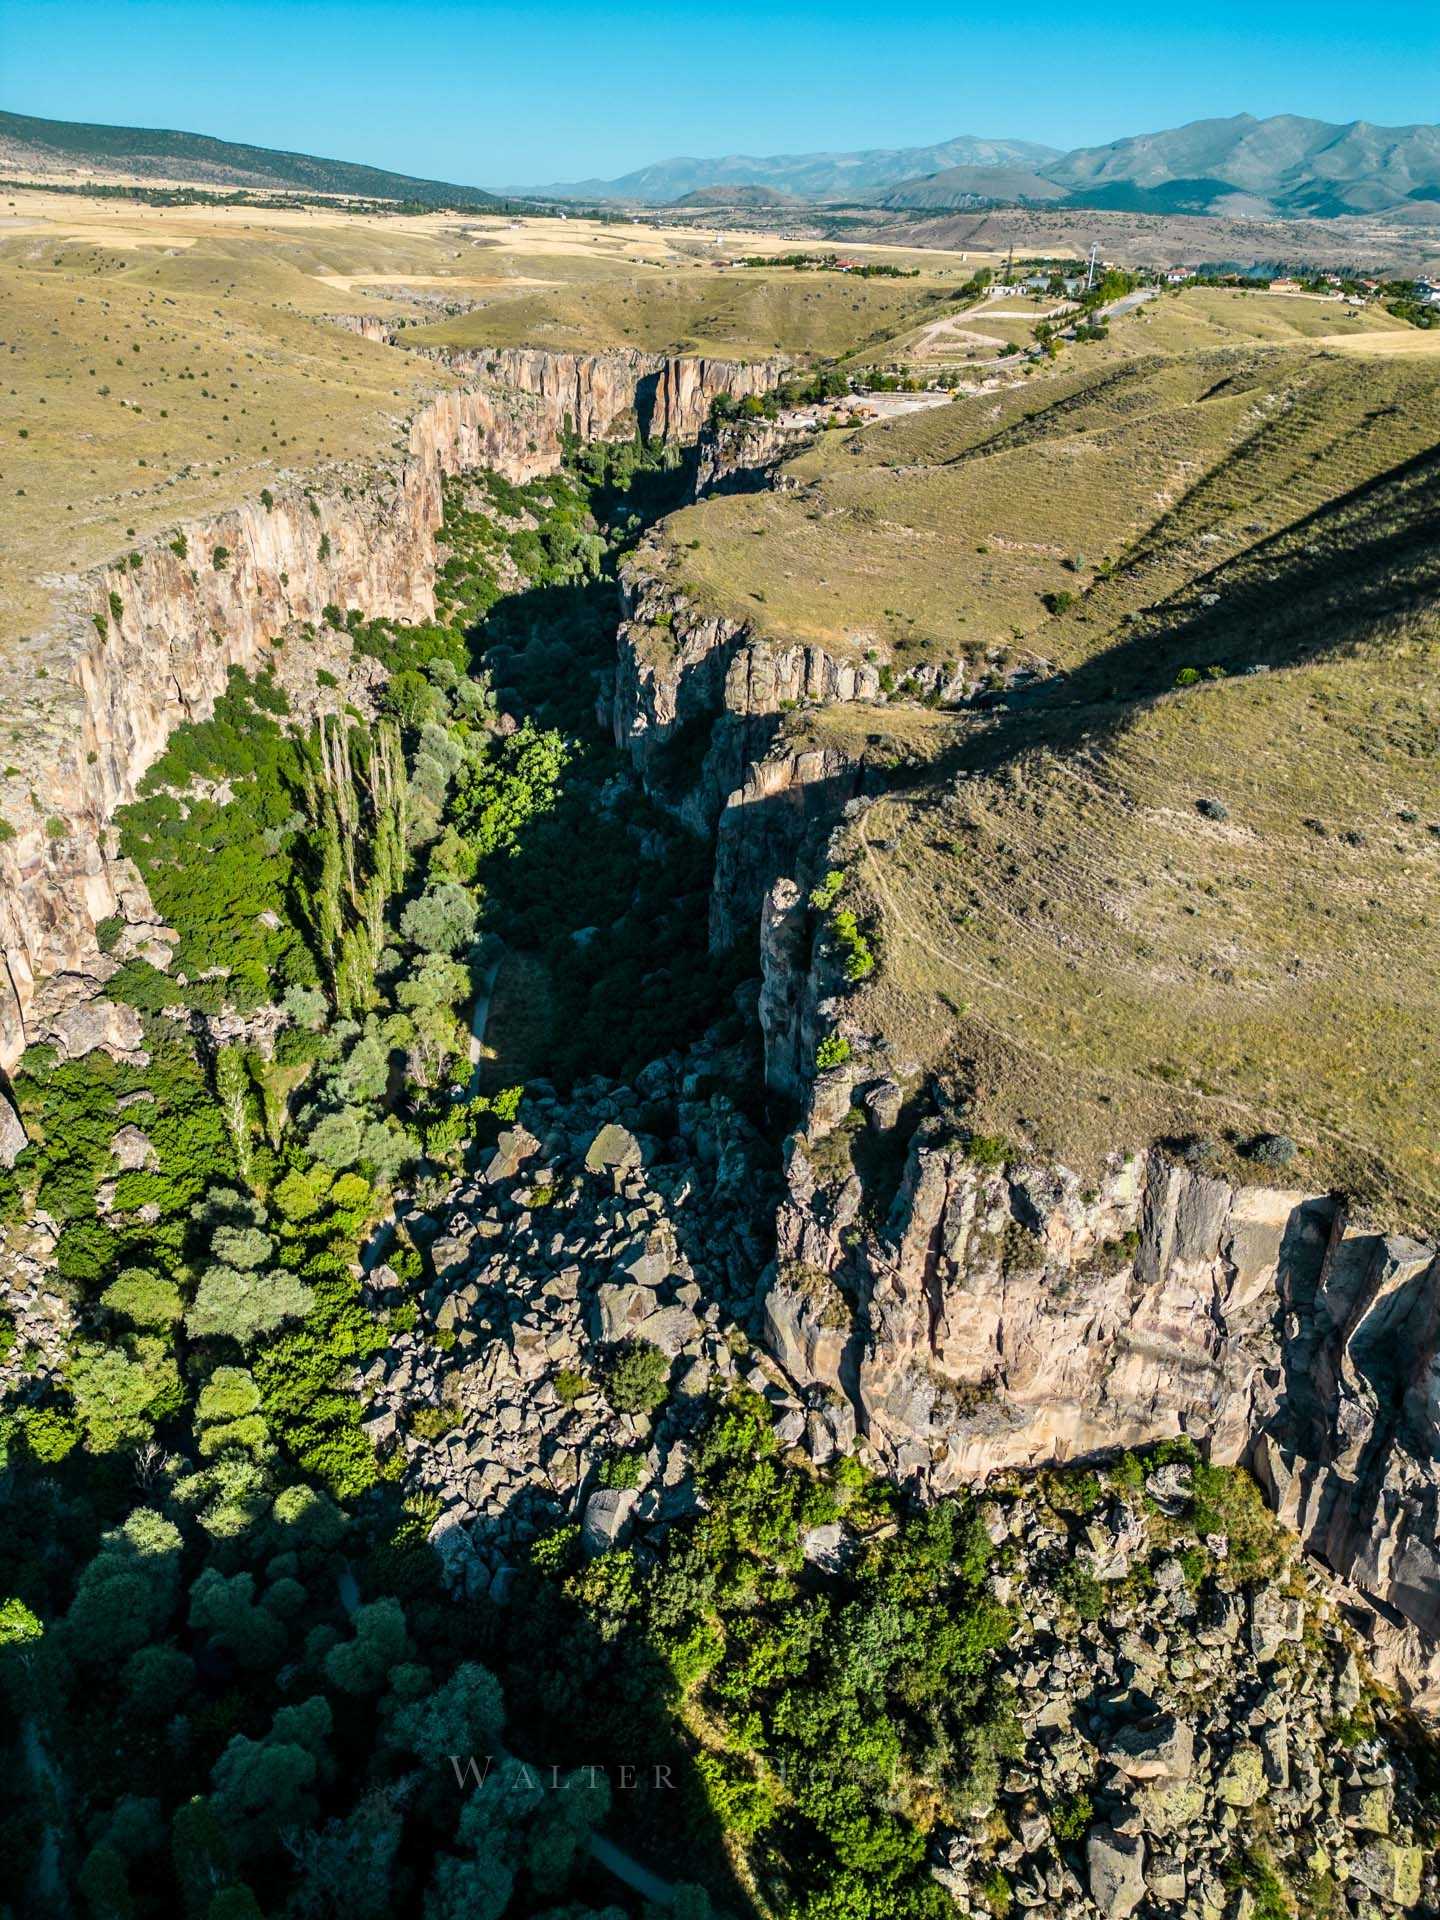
[
  {"x": 597, "y": 395},
  {"x": 785, "y": 802},
  {"x": 1004, "y": 1318},
  {"x": 742, "y": 456},
  {"x": 689, "y": 685},
  {"x": 682, "y": 669},
  {"x": 696, "y": 695},
  {"x": 138, "y": 647}
]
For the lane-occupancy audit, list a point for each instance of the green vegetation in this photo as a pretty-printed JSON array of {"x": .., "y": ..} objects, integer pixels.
[
  {"x": 829, "y": 1721},
  {"x": 170, "y": 155},
  {"x": 189, "y": 1486},
  {"x": 637, "y": 1378}
]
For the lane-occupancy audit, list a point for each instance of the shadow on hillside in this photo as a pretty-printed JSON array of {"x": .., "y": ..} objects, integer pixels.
[{"x": 1324, "y": 583}]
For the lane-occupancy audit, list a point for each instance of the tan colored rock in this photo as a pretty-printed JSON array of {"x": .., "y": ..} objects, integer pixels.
[
  {"x": 13, "y": 1138},
  {"x": 117, "y": 686}
]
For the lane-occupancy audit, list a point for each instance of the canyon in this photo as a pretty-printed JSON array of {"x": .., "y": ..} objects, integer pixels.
[
  {"x": 992, "y": 1317},
  {"x": 978, "y": 1319},
  {"x": 139, "y": 646},
  {"x": 793, "y": 1208}
]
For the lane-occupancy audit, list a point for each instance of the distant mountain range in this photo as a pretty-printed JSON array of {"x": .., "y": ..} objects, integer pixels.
[
  {"x": 809, "y": 176},
  {"x": 47, "y": 147},
  {"x": 1284, "y": 166}
]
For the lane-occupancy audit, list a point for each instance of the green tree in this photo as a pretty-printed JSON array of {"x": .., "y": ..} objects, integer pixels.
[
  {"x": 128, "y": 1591},
  {"x": 260, "y": 1786},
  {"x": 227, "y": 1414},
  {"x": 362, "y": 1664},
  {"x": 441, "y": 920},
  {"x": 225, "y": 1609},
  {"x": 464, "y": 1715},
  {"x": 241, "y": 1304},
  {"x": 636, "y": 1377},
  {"x": 144, "y": 1299}
]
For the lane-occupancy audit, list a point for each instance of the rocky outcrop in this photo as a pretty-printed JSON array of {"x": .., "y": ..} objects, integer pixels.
[
  {"x": 1003, "y": 1317},
  {"x": 600, "y": 395},
  {"x": 743, "y": 456},
  {"x": 1177, "y": 1716},
  {"x": 687, "y": 682},
  {"x": 584, "y": 1229},
  {"x": 145, "y": 644},
  {"x": 696, "y": 694},
  {"x": 787, "y": 800}
]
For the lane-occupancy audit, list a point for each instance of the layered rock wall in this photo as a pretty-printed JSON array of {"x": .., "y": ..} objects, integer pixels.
[
  {"x": 1005, "y": 1318},
  {"x": 140, "y": 646},
  {"x": 697, "y": 697},
  {"x": 785, "y": 801}
]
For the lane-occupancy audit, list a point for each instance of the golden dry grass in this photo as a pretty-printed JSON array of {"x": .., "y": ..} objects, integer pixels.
[
  {"x": 167, "y": 361},
  {"x": 1121, "y": 966},
  {"x": 744, "y": 313},
  {"x": 947, "y": 533},
  {"x": 155, "y": 372}
]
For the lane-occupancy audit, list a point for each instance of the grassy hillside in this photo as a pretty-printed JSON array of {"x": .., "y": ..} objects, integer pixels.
[
  {"x": 163, "y": 154},
  {"x": 948, "y": 533},
  {"x": 1188, "y": 885},
  {"x": 164, "y": 363},
  {"x": 736, "y": 312},
  {"x": 165, "y": 360}
]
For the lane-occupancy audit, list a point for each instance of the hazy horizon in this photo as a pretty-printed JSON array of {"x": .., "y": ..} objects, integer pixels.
[{"x": 579, "y": 92}]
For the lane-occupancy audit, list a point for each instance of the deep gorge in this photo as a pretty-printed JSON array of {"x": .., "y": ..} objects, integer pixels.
[{"x": 579, "y": 1427}]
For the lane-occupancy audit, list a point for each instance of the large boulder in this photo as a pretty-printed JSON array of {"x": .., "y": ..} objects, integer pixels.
[
  {"x": 613, "y": 1149},
  {"x": 606, "y": 1519},
  {"x": 1241, "y": 1781},
  {"x": 1158, "y": 1748},
  {"x": 13, "y": 1140},
  {"x": 1115, "y": 1863},
  {"x": 133, "y": 1149}
]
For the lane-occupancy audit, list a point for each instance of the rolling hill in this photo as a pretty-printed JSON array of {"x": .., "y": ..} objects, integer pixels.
[{"x": 43, "y": 147}]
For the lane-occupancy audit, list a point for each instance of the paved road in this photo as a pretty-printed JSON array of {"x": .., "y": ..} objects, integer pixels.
[{"x": 1127, "y": 303}]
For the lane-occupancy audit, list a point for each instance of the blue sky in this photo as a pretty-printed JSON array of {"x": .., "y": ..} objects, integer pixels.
[{"x": 496, "y": 95}]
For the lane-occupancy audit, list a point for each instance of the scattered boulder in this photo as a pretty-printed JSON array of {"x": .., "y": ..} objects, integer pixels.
[
  {"x": 514, "y": 1146},
  {"x": 1393, "y": 1874},
  {"x": 613, "y": 1149},
  {"x": 133, "y": 1149},
  {"x": 1116, "y": 1868},
  {"x": 606, "y": 1519},
  {"x": 1275, "y": 1619},
  {"x": 1241, "y": 1781},
  {"x": 1158, "y": 1748},
  {"x": 103, "y": 1024}
]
